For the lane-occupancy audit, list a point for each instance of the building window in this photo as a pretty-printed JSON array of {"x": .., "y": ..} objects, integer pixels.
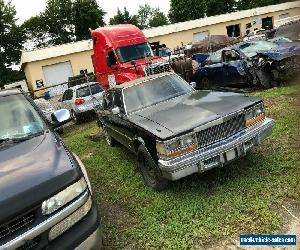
[
  {"x": 285, "y": 15},
  {"x": 267, "y": 23},
  {"x": 233, "y": 30}
]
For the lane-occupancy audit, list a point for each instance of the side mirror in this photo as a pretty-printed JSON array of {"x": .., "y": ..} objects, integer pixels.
[
  {"x": 115, "y": 111},
  {"x": 193, "y": 84},
  {"x": 60, "y": 117}
]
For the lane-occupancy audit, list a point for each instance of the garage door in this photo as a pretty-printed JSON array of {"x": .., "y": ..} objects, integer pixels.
[
  {"x": 197, "y": 37},
  {"x": 57, "y": 73}
]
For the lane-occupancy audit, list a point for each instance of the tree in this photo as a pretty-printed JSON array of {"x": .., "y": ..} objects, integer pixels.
[
  {"x": 11, "y": 40},
  {"x": 218, "y": 7},
  {"x": 184, "y": 10},
  {"x": 58, "y": 21},
  {"x": 37, "y": 35},
  {"x": 123, "y": 17},
  {"x": 247, "y": 4},
  {"x": 158, "y": 18},
  {"x": 87, "y": 14},
  {"x": 143, "y": 16}
]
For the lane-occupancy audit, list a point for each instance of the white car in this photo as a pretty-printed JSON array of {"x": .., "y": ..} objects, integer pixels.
[{"x": 82, "y": 99}]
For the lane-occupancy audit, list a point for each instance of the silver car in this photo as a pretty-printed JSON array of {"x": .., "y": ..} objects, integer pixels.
[
  {"x": 81, "y": 100},
  {"x": 46, "y": 107}
]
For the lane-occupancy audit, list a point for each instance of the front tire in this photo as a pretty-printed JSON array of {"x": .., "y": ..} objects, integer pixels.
[{"x": 151, "y": 175}]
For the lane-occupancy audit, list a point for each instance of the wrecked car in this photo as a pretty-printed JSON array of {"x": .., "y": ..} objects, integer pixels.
[
  {"x": 249, "y": 63},
  {"x": 176, "y": 131}
]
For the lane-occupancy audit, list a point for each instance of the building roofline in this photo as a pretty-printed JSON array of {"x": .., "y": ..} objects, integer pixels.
[
  {"x": 55, "y": 51},
  {"x": 198, "y": 23}
]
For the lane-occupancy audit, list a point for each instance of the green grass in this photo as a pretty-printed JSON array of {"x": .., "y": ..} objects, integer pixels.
[{"x": 194, "y": 212}]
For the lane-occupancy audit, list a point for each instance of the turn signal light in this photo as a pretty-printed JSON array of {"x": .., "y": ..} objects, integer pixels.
[
  {"x": 79, "y": 101},
  {"x": 255, "y": 119}
]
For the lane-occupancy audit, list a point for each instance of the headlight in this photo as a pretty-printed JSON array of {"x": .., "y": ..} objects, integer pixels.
[
  {"x": 175, "y": 147},
  {"x": 62, "y": 198},
  {"x": 254, "y": 114}
]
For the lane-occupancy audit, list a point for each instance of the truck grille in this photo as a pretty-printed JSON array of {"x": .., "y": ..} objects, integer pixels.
[
  {"x": 221, "y": 131},
  {"x": 16, "y": 225},
  {"x": 158, "y": 68}
]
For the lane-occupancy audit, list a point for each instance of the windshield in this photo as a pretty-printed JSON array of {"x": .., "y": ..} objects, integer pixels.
[
  {"x": 19, "y": 119},
  {"x": 251, "y": 48},
  {"x": 84, "y": 91},
  {"x": 134, "y": 52},
  {"x": 154, "y": 91}
]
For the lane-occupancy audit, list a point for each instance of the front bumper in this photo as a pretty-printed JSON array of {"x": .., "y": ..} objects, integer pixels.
[
  {"x": 217, "y": 154},
  {"x": 85, "y": 233}
]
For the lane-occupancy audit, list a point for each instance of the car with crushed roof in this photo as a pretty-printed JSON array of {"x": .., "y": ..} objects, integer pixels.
[
  {"x": 255, "y": 62},
  {"x": 46, "y": 199},
  {"x": 176, "y": 131}
]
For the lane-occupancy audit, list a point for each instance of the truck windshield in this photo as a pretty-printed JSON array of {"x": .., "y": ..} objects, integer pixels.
[
  {"x": 134, "y": 52},
  {"x": 19, "y": 119},
  {"x": 154, "y": 91}
]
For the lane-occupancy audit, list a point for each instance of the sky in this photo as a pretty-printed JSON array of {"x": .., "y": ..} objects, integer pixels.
[{"x": 28, "y": 8}]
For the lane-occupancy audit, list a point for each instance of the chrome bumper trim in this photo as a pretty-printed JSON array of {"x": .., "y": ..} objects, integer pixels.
[
  {"x": 47, "y": 224},
  {"x": 187, "y": 164}
]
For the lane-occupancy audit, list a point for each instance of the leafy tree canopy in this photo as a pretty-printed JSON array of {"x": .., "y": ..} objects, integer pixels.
[{"x": 11, "y": 40}]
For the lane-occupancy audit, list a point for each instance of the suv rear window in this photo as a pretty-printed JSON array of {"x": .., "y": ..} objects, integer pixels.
[{"x": 84, "y": 91}]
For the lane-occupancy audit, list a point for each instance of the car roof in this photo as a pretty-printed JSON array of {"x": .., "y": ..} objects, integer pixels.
[
  {"x": 7, "y": 92},
  {"x": 83, "y": 85},
  {"x": 140, "y": 80}
]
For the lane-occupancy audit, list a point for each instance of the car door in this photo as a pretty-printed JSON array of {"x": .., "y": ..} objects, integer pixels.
[
  {"x": 68, "y": 99},
  {"x": 234, "y": 70},
  {"x": 123, "y": 130},
  {"x": 214, "y": 69}
]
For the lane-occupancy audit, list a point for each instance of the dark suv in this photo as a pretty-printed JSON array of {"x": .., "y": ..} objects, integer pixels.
[
  {"x": 45, "y": 195},
  {"x": 177, "y": 131}
]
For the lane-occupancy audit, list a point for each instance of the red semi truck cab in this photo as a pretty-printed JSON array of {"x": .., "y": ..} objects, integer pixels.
[{"x": 122, "y": 53}]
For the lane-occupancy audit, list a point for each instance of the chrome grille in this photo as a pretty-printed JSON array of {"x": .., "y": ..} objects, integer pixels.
[
  {"x": 16, "y": 225},
  {"x": 158, "y": 68},
  {"x": 221, "y": 131}
]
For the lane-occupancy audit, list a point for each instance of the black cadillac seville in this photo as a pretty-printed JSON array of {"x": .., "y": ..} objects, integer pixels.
[{"x": 177, "y": 131}]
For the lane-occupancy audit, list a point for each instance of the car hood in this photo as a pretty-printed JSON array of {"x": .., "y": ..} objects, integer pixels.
[
  {"x": 283, "y": 51},
  {"x": 184, "y": 113},
  {"x": 31, "y": 172}
]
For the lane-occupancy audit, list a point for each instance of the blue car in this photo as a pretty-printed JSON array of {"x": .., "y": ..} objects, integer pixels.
[{"x": 247, "y": 63}]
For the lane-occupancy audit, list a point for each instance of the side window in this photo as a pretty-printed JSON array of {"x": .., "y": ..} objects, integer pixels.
[
  {"x": 69, "y": 95},
  {"x": 216, "y": 57},
  {"x": 112, "y": 58},
  {"x": 64, "y": 97},
  {"x": 230, "y": 56}
]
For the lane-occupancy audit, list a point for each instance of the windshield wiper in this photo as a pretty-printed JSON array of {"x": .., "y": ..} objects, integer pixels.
[{"x": 20, "y": 139}]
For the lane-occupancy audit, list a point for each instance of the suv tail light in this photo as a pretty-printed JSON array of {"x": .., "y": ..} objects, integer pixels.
[{"x": 79, "y": 101}]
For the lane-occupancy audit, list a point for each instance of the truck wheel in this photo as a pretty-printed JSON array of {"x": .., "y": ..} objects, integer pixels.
[
  {"x": 109, "y": 140},
  {"x": 150, "y": 172}
]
